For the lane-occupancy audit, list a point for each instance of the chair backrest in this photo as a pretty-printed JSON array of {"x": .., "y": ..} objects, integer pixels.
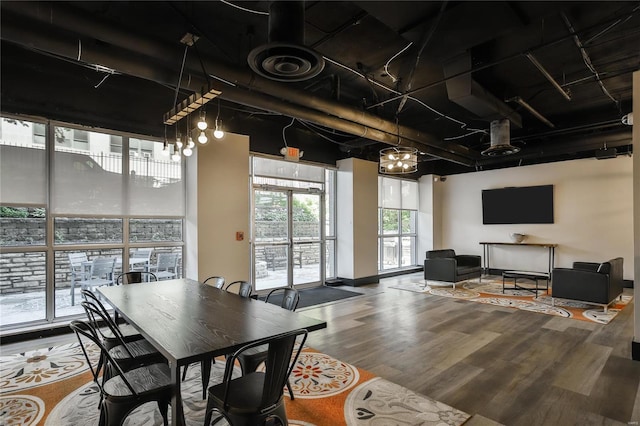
[
  {"x": 135, "y": 277},
  {"x": 436, "y": 254},
  {"x": 77, "y": 259},
  {"x": 167, "y": 261},
  {"x": 217, "y": 282},
  {"x": 102, "y": 267},
  {"x": 290, "y": 297},
  {"x": 142, "y": 253},
  {"x": 90, "y": 296},
  {"x": 244, "y": 288},
  {"x": 95, "y": 315},
  {"x": 85, "y": 331},
  {"x": 278, "y": 365}
]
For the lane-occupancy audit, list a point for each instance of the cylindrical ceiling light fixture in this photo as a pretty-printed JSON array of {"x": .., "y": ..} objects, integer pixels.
[{"x": 398, "y": 160}]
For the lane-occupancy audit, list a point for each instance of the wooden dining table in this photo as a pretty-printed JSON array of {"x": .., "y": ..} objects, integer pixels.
[{"x": 187, "y": 321}]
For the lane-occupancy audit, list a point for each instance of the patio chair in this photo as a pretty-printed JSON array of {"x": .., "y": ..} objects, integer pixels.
[
  {"x": 255, "y": 397},
  {"x": 166, "y": 266},
  {"x": 140, "y": 260},
  {"x": 125, "y": 390},
  {"x": 101, "y": 273},
  {"x": 78, "y": 266}
]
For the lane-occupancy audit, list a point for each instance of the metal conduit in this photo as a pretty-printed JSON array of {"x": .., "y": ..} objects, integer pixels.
[{"x": 66, "y": 17}]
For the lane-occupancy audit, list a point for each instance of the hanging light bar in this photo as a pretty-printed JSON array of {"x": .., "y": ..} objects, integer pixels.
[{"x": 192, "y": 103}]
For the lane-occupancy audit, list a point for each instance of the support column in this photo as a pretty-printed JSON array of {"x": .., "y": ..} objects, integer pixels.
[
  {"x": 635, "y": 345},
  {"x": 357, "y": 221}
]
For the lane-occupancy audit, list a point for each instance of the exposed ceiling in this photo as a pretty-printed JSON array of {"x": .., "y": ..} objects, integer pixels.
[{"x": 432, "y": 75}]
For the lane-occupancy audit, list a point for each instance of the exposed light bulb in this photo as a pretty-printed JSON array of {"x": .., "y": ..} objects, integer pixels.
[
  {"x": 399, "y": 163},
  {"x": 218, "y": 133},
  {"x": 191, "y": 143},
  {"x": 176, "y": 156},
  {"x": 391, "y": 157},
  {"x": 203, "y": 138},
  {"x": 405, "y": 166},
  {"x": 390, "y": 166},
  {"x": 178, "y": 143},
  {"x": 187, "y": 152},
  {"x": 202, "y": 124},
  {"x": 406, "y": 157}
]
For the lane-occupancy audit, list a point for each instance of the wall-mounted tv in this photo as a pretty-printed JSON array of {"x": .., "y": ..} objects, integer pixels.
[{"x": 528, "y": 204}]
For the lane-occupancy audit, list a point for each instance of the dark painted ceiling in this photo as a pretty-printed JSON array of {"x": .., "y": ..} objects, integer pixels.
[{"x": 432, "y": 75}]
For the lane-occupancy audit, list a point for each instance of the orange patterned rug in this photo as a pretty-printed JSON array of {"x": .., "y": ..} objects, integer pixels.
[
  {"x": 490, "y": 291},
  {"x": 53, "y": 387}
]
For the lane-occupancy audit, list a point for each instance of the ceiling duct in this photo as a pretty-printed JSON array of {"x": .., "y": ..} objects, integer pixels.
[
  {"x": 285, "y": 58},
  {"x": 469, "y": 94},
  {"x": 500, "y": 140}
]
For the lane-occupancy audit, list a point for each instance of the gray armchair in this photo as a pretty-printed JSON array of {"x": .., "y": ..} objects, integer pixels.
[
  {"x": 445, "y": 265},
  {"x": 596, "y": 283}
]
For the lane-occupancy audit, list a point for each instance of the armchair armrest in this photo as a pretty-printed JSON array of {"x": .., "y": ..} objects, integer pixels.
[
  {"x": 440, "y": 269},
  {"x": 581, "y": 285}
]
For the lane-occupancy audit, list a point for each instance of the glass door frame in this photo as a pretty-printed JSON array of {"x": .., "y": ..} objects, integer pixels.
[{"x": 290, "y": 243}]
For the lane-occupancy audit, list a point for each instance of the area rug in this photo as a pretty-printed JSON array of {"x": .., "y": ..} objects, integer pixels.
[
  {"x": 317, "y": 295},
  {"x": 53, "y": 387},
  {"x": 490, "y": 291}
]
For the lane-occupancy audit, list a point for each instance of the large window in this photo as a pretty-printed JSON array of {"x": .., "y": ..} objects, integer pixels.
[
  {"x": 397, "y": 217},
  {"x": 71, "y": 197}
]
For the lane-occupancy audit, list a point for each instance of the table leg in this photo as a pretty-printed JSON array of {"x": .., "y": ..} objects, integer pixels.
[{"x": 177, "y": 415}]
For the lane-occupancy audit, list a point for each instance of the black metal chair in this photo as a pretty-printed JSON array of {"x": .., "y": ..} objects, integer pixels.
[
  {"x": 205, "y": 364},
  {"x": 256, "y": 397},
  {"x": 127, "y": 355},
  {"x": 244, "y": 288},
  {"x": 135, "y": 277},
  {"x": 251, "y": 359},
  {"x": 128, "y": 332},
  {"x": 217, "y": 282},
  {"x": 125, "y": 390}
]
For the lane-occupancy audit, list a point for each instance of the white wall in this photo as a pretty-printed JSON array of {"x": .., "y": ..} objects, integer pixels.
[
  {"x": 223, "y": 209},
  {"x": 593, "y": 205},
  {"x": 357, "y": 218}
]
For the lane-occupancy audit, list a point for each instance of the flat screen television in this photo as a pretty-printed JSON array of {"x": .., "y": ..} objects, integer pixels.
[{"x": 528, "y": 204}]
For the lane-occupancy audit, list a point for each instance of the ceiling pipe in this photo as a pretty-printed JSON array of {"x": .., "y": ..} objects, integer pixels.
[
  {"x": 66, "y": 46},
  {"x": 65, "y": 17},
  {"x": 532, "y": 110},
  {"x": 548, "y": 76}
]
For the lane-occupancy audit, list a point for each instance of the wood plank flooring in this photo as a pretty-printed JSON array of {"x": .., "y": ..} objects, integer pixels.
[
  {"x": 506, "y": 365},
  {"x": 511, "y": 366}
]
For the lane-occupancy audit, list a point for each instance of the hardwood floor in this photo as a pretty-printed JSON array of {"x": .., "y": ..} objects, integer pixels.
[{"x": 511, "y": 366}]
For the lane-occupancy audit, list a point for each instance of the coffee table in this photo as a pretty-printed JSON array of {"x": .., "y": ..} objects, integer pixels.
[{"x": 528, "y": 275}]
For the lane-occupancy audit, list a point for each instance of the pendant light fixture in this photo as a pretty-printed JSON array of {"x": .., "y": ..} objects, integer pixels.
[{"x": 218, "y": 133}]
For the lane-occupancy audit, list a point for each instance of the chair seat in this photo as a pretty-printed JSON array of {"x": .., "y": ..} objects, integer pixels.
[
  {"x": 141, "y": 350},
  {"x": 245, "y": 394},
  {"x": 128, "y": 331},
  {"x": 150, "y": 378}
]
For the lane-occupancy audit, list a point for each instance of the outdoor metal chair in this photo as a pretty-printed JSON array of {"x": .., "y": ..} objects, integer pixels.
[
  {"x": 140, "y": 260},
  {"x": 257, "y": 396},
  {"x": 166, "y": 266},
  {"x": 78, "y": 267},
  {"x": 101, "y": 273}
]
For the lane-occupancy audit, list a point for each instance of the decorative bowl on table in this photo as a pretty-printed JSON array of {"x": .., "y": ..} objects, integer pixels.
[{"x": 518, "y": 238}]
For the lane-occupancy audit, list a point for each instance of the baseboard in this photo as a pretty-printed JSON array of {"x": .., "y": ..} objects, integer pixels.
[
  {"x": 34, "y": 334},
  {"x": 635, "y": 350},
  {"x": 360, "y": 281}
]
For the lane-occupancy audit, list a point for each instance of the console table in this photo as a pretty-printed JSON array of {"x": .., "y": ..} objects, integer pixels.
[{"x": 486, "y": 252}]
